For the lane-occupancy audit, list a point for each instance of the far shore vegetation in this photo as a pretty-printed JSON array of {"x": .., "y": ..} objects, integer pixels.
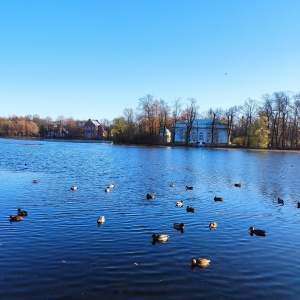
[{"x": 269, "y": 123}]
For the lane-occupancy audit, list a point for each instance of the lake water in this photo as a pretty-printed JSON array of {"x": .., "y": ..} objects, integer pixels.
[{"x": 59, "y": 252}]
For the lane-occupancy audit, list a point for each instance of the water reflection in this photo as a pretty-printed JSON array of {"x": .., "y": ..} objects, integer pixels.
[{"x": 60, "y": 235}]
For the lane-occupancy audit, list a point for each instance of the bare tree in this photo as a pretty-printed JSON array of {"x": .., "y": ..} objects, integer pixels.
[
  {"x": 176, "y": 114},
  {"x": 61, "y": 120},
  {"x": 231, "y": 114},
  {"x": 71, "y": 127},
  {"x": 190, "y": 114},
  {"x": 282, "y": 103},
  {"x": 163, "y": 113},
  {"x": 146, "y": 106},
  {"x": 250, "y": 110},
  {"x": 214, "y": 115},
  {"x": 129, "y": 116},
  {"x": 295, "y": 109}
]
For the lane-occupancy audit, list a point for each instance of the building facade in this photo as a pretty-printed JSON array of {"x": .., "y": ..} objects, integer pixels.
[
  {"x": 94, "y": 130},
  {"x": 165, "y": 135},
  {"x": 202, "y": 132},
  {"x": 58, "y": 131}
]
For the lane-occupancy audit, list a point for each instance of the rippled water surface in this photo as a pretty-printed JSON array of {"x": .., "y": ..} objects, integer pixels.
[{"x": 59, "y": 252}]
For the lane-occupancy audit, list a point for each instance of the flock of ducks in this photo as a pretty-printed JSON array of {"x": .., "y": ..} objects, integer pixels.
[
  {"x": 23, "y": 213},
  {"x": 101, "y": 219},
  {"x": 202, "y": 262},
  {"x": 163, "y": 238}
]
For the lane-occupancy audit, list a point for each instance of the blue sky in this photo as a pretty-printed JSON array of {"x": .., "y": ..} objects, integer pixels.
[{"x": 93, "y": 58}]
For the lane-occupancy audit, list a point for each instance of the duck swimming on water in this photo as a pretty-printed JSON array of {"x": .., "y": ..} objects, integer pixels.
[
  {"x": 15, "y": 218},
  {"x": 200, "y": 262},
  {"x": 190, "y": 209},
  {"x": 101, "y": 220},
  {"x": 213, "y": 225},
  {"x": 22, "y": 213},
  {"x": 161, "y": 238},
  {"x": 258, "y": 232},
  {"x": 179, "y": 226},
  {"x": 179, "y": 204},
  {"x": 218, "y": 199}
]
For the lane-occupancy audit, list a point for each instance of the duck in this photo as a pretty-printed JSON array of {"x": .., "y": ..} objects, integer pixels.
[
  {"x": 259, "y": 232},
  {"x": 107, "y": 190},
  {"x": 213, "y": 225},
  {"x": 161, "y": 238},
  {"x": 188, "y": 187},
  {"x": 200, "y": 262},
  {"x": 172, "y": 184},
  {"x": 298, "y": 205},
  {"x": 179, "y": 226},
  {"x": 15, "y": 218},
  {"x": 280, "y": 201},
  {"x": 218, "y": 199},
  {"x": 190, "y": 209},
  {"x": 150, "y": 196},
  {"x": 101, "y": 220},
  {"x": 73, "y": 187},
  {"x": 111, "y": 186},
  {"x": 22, "y": 213},
  {"x": 35, "y": 181},
  {"x": 238, "y": 185},
  {"x": 179, "y": 204}
]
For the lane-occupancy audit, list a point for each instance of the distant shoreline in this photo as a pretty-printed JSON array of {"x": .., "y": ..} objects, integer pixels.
[{"x": 173, "y": 145}]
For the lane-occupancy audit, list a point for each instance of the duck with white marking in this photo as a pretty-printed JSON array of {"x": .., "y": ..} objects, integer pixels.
[
  {"x": 101, "y": 220},
  {"x": 179, "y": 204},
  {"x": 179, "y": 226},
  {"x": 258, "y": 232},
  {"x": 213, "y": 225}
]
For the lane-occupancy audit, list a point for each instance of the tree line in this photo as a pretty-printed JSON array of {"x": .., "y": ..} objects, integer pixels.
[{"x": 271, "y": 122}]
